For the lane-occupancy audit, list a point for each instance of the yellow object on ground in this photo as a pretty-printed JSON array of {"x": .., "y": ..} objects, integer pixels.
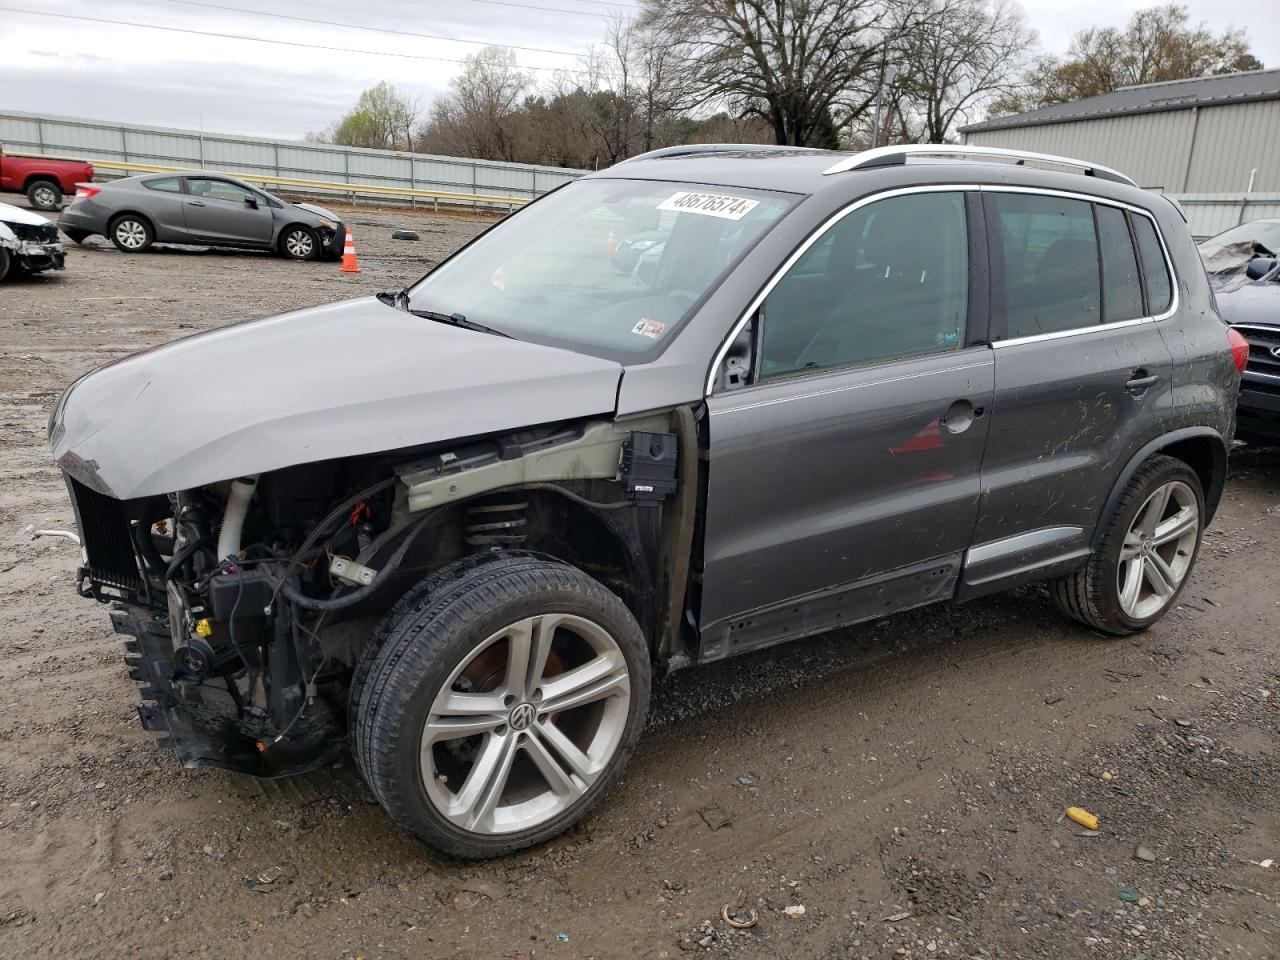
[{"x": 1083, "y": 817}]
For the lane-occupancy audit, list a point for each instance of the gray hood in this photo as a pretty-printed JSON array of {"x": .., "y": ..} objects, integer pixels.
[
  {"x": 315, "y": 211},
  {"x": 350, "y": 378}
]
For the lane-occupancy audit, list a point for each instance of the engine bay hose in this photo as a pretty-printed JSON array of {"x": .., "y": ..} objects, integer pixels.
[{"x": 233, "y": 519}]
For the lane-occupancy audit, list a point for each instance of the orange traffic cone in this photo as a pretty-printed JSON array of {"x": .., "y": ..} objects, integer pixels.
[{"x": 349, "y": 264}]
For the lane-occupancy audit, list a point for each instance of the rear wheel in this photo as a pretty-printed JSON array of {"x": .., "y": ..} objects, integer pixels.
[
  {"x": 502, "y": 705},
  {"x": 131, "y": 233},
  {"x": 300, "y": 243},
  {"x": 1148, "y": 549},
  {"x": 45, "y": 195}
]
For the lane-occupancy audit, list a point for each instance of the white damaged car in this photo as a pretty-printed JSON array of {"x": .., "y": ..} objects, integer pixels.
[{"x": 28, "y": 243}]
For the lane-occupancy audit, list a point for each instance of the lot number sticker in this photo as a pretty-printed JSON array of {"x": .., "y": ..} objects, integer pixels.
[{"x": 709, "y": 205}]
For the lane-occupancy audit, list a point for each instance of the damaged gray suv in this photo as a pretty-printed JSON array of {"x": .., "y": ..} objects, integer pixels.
[{"x": 708, "y": 400}]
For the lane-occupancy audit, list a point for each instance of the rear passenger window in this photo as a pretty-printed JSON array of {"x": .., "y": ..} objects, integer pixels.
[
  {"x": 1154, "y": 269},
  {"x": 1050, "y": 251},
  {"x": 164, "y": 185},
  {"x": 1121, "y": 283},
  {"x": 889, "y": 280}
]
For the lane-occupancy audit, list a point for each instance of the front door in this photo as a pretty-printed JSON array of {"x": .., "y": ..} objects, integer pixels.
[
  {"x": 844, "y": 477},
  {"x": 222, "y": 211},
  {"x": 1083, "y": 376}
]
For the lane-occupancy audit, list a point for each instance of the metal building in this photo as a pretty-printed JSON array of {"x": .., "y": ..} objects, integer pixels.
[{"x": 1214, "y": 142}]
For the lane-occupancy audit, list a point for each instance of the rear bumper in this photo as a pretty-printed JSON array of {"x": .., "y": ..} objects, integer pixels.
[{"x": 1258, "y": 411}]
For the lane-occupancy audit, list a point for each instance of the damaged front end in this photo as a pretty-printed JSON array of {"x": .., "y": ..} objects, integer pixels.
[
  {"x": 249, "y": 603},
  {"x": 29, "y": 245}
]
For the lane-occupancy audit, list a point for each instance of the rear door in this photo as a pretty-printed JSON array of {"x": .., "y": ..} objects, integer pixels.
[
  {"x": 1083, "y": 377},
  {"x": 221, "y": 211},
  {"x": 844, "y": 478}
]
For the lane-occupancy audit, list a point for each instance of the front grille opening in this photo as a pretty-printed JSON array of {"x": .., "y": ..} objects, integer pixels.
[{"x": 104, "y": 530}]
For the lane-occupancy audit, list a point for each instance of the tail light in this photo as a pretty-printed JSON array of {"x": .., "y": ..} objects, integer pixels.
[
  {"x": 86, "y": 190},
  {"x": 1239, "y": 349}
]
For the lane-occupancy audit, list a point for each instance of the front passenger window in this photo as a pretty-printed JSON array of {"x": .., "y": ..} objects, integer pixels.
[{"x": 889, "y": 280}]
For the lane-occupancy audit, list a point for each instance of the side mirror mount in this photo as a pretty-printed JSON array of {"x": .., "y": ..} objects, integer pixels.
[
  {"x": 1260, "y": 267},
  {"x": 251, "y": 202},
  {"x": 737, "y": 368}
]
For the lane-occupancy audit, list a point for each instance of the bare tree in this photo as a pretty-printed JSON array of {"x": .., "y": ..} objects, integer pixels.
[
  {"x": 1158, "y": 44},
  {"x": 808, "y": 67},
  {"x": 477, "y": 117},
  {"x": 956, "y": 60}
]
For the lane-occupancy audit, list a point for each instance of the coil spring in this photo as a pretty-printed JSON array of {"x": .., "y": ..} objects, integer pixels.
[{"x": 497, "y": 524}]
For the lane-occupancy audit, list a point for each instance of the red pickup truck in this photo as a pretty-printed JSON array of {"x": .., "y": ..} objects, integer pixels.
[{"x": 44, "y": 181}]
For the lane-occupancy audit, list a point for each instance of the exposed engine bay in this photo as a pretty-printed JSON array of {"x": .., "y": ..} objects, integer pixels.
[{"x": 251, "y": 601}]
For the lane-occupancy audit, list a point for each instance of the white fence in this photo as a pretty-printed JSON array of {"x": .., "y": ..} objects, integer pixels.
[{"x": 253, "y": 157}]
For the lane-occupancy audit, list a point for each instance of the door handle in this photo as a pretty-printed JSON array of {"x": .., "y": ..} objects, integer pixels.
[
  {"x": 1139, "y": 381},
  {"x": 195, "y": 203}
]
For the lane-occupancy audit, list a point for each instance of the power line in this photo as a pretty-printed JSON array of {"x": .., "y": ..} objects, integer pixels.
[
  {"x": 358, "y": 26},
  {"x": 241, "y": 36},
  {"x": 530, "y": 6}
]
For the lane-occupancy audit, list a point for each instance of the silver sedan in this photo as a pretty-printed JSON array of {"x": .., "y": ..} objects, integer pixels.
[{"x": 202, "y": 209}]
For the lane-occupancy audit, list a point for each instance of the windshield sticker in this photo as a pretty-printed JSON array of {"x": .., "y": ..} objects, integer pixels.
[
  {"x": 649, "y": 328},
  {"x": 709, "y": 205}
]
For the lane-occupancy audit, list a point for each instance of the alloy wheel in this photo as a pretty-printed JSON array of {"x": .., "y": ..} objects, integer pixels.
[
  {"x": 131, "y": 234},
  {"x": 1158, "y": 550},
  {"x": 525, "y": 725}
]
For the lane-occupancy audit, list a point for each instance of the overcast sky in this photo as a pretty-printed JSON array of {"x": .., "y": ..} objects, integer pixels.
[{"x": 76, "y": 67}]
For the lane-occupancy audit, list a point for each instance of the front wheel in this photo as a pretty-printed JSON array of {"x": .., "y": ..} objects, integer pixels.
[
  {"x": 500, "y": 708},
  {"x": 45, "y": 195},
  {"x": 1149, "y": 546},
  {"x": 300, "y": 243}
]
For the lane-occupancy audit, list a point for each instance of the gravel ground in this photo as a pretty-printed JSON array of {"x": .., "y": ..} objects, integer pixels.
[{"x": 903, "y": 782}]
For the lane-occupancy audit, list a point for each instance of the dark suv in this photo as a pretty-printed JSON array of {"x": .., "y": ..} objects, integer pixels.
[{"x": 462, "y": 525}]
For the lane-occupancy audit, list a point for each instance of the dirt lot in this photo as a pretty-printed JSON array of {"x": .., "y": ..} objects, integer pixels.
[{"x": 902, "y": 781}]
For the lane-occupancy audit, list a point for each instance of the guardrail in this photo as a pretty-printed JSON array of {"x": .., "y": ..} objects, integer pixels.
[
  {"x": 391, "y": 175},
  {"x": 326, "y": 186}
]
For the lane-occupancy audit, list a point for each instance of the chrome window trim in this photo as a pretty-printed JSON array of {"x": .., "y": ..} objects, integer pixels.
[
  {"x": 844, "y": 387},
  {"x": 799, "y": 252},
  {"x": 839, "y": 215},
  {"x": 1174, "y": 299}
]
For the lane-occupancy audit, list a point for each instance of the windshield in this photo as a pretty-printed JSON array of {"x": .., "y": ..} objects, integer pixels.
[
  {"x": 606, "y": 267},
  {"x": 1265, "y": 232}
]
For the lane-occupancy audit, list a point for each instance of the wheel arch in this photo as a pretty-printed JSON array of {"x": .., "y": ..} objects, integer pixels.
[
  {"x": 289, "y": 225},
  {"x": 129, "y": 212},
  {"x": 34, "y": 178},
  {"x": 1203, "y": 449}
]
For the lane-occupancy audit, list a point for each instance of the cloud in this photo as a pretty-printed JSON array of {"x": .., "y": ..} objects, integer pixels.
[{"x": 132, "y": 74}]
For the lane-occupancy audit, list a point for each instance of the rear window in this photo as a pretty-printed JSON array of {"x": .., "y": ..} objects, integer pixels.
[
  {"x": 1051, "y": 265},
  {"x": 1154, "y": 268},
  {"x": 1121, "y": 283},
  {"x": 164, "y": 185}
]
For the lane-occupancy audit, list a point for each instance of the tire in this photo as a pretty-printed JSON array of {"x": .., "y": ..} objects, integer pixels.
[
  {"x": 558, "y": 757},
  {"x": 299, "y": 243},
  {"x": 131, "y": 233},
  {"x": 1135, "y": 577},
  {"x": 75, "y": 236},
  {"x": 5, "y": 262},
  {"x": 44, "y": 195}
]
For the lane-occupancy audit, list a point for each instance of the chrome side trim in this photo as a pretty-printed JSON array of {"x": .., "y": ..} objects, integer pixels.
[
  {"x": 879, "y": 156},
  {"x": 1264, "y": 376},
  {"x": 850, "y": 386},
  {"x": 994, "y": 549}
]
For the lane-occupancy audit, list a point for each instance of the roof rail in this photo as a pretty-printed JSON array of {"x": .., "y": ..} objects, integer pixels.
[
  {"x": 891, "y": 156},
  {"x": 693, "y": 149}
]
